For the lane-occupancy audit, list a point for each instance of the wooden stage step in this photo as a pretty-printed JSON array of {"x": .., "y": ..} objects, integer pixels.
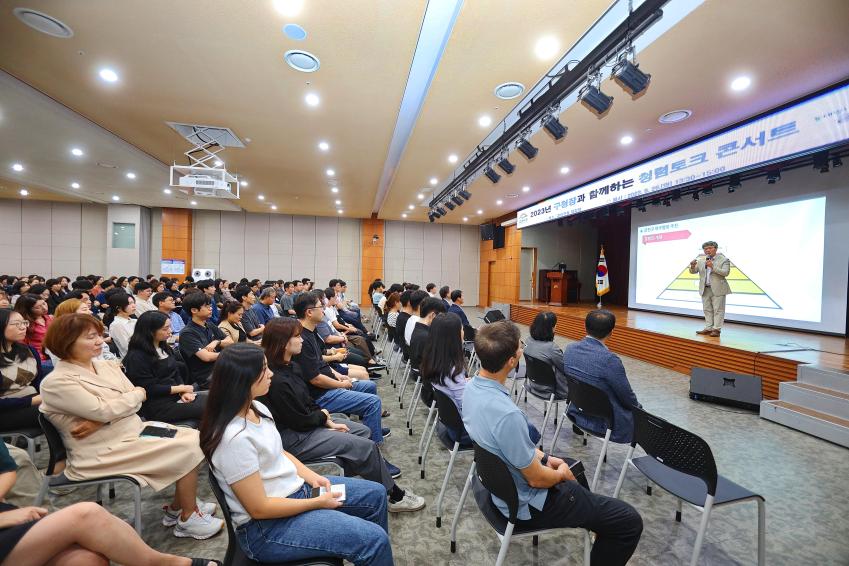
[{"x": 804, "y": 419}]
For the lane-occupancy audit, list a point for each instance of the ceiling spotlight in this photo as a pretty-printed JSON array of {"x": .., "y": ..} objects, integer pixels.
[
  {"x": 273, "y": 207},
  {"x": 821, "y": 161},
  {"x": 289, "y": 8},
  {"x": 433, "y": 180},
  {"x": 23, "y": 192},
  {"x": 441, "y": 211},
  {"x": 323, "y": 146},
  {"x": 696, "y": 195},
  {"x": 420, "y": 196},
  {"x": 676, "y": 194},
  {"x": 75, "y": 185},
  {"x": 194, "y": 203},
  {"x": 499, "y": 202},
  {"x": 312, "y": 99},
  {"x": 630, "y": 77},
  {"x": 77, "y": 152},
  {"x": 108, "y": 75},
  {"x": 334, "y": 190},
  {"x": 480, "y": 211},
  {"x": 667, "y": 202},
  {"x": 261, "y": 197},
  {"x": 435, "y": 214},
  {"x": 411, "y": 207},
  {"x": 546, "y": 47},
  {"x": 506, "y": 166},
  {"x": 484, "y": 121},
  {"x": 741, "y": 83},
  {"x": 17, "y": 167},
  {"x": 116, "y": 198},
  {"x": 553, "y": 126},
  {"x": 403, "y": 215},
  {"x": 450, "y": 205},
  {"x": 641, "y": 208},
  {"x": 458, "y": 200},
  {"x": 218, "y": 163},
  {"x": 626, "y": 140},
  {"x": 244, "y": 183},
  {"x": 707, "y": 191},
  {"x": 337, "y": 202},
  {"x": 527, "y": 149},
  {"x": 131, "y": 175},
  {"x": 491, "y": 174},
  {"x": 734, "y": 183},
  {"x": 340, "y": 211},
  {"x": 465, "y": 194},
  {"x": 430, "y": 217},
  {"x": 166, "y": 191},
  {"x": 595, "y": 100},
  {"x": 564, "y": 170},
  {"x": 773, "y": 176},
  {"x": 330, "y": 172},
  {"x": 452, "y": 158},
  {"x": 465, "y": 219},
  {"x": 526, "y": 189},
  {"x": 836, "y": 161}
]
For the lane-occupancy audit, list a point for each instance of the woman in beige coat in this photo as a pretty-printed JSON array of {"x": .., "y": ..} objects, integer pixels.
[{"x": 93, "y": 405}]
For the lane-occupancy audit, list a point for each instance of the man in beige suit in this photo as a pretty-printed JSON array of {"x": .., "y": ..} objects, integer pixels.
[{"x": 712, "y": 268}]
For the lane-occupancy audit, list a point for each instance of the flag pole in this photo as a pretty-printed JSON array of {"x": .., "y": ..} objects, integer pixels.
[{"x": 598, "y": 306}]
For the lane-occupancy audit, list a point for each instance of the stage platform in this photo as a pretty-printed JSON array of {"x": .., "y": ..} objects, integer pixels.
[{"x": 671, "y": 341}]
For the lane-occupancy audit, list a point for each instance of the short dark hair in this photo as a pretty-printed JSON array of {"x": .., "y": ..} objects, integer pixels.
[
  {"x": 496, "y": 343},
  {"x": 443, "y": 291},
  {"x": 599, "y": 323},
  {"x": 330, "y": 292},
  {"x": 83, "y": 284},
  {"x": 405, "y": 298},
  {"x": 332, "y": 282},
  {"x": 431, "y": 304},
  {"x": 417, "y": 297},
  {"x": 430, "y": 287},
  {"x": 542, "y": 328},
  {"x": 194, "y": 301},
  {"x": 205, "y": 283},
  {"x": 456, "y": 294},
  {"x": 241, "y": 292},
  {"x": 302, "y": 303},
  {"x": 159, "y": 297},
  {"x": 141, "y": 286},
  {"x": 65, "y": 330}
]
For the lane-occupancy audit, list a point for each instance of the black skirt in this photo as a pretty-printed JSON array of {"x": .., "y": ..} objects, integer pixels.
[{"x": 10, "y": 536}]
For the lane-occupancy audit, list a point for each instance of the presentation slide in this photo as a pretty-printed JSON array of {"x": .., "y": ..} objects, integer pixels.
[{"x": 776, "y": 255}]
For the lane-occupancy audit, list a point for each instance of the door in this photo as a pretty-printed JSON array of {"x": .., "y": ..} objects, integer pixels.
[{"x": 528, "y": 274}]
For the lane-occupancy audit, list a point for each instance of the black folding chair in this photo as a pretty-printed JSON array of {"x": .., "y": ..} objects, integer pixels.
[
  {"x": 58, "y": 453},
  {"x": 542, "y": 375},
  {"x": 682, "y": 463},
  {"x": 30, "y": 435},
  {"x": 235, "y": 556}
]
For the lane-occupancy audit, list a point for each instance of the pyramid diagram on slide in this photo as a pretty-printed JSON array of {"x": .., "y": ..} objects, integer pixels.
[{"x": 745, "y": 292}]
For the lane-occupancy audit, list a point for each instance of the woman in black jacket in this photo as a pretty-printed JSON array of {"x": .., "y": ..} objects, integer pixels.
[{"x": 152, "y": 364}]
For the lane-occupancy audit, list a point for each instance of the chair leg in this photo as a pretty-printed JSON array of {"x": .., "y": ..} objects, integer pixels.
[
  {"x": 450, "y": 467},
  {"x": 459, "y": 509},
  {"x": 99, "y": 498},
  {"x": 702, "y": 530},
  {"x": 761, "y": 532},
  {"x": 404, "y": 384},
  {"x": 557, "y": 431},
  {"x": 544, "y": 420},
  {"x": 427, "y": 444},
  {"x": 678, "y": 510},
  {"x": 625, "y": 465},
  {"x": 535, "y": 540},
  {"x": 42, "y": 492},
  {"x": 30, "y": 448},
  {"x": 505, "y": 544},
  {"x": 588, "y": 548},
  {"x": 137, "y": 521},
  {"x": 111, "y": 491},
  {"x": 648, "y": 487},
  {"x": 413, "y": 404},
  {"x": 430, "y": 413},
  {"x": 600, "y": 461}
]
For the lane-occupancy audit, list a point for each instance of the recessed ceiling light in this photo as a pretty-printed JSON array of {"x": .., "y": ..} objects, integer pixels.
[
  {"x": 338, "y": 202},
  {"x": 166, "y": 191},
  {"x": 480, "y": 211},
  {"x": 289, "y": 8},
  {"x": 499, "y": 202},
  {"x": 465, "y": 219},
  {"x": 106, "y": 165},
  {"x": 244, "y": 183},
  {"x": 330, "y": 172},
  {"x": 626, "y": 139},
  {"x": 273, "y": 207},
  {"x": 261, "y": 197},
  {"x": 302, "y": 61},
  {"x": 403, "y": 215},
  {"x": 312, "y": 99},
  {"x": 76, "y": 151},
  {"x": 525, "y": 189},
  {"x": 564, "y": 170},
  {"x": 675, "y": 116},
  {"x": 741, "y": 83},
  {"x": 547, "y": 47},
  {"x": 116, "y": 198},
  {"x": 507, "y": 91},
  {"x": 131, "y": 175},
  {"x": 411, "y": 207},
  {"x": 484, "y": 121},
  {"x": 108, "y": 75},
  {"x": 17, "y": 167},
  {"x": 218, "y": 163},
  {"x": 452, "y": 158},
  {"x": 323, "y": 146},
  {"x": 295, "y": 32},
  {"x": 340, "y": 211},
  {"x": 433, "y": 180},
  {"x": 420, "y": 196},
  {"x": 75, "y": 185},
  {"x": 334, "y": 190},
  {"x": 194, "y": 203},
  {"x": 40, "y": 21},
  {"x": 23, "y": 192}
]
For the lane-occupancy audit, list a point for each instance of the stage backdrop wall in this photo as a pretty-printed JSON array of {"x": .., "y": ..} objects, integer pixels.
[
  {"x": 773, "y": 239},
  {"x": 573, "y": 245}
]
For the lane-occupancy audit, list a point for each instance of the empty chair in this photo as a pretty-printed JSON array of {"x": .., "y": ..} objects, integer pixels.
[
  {"x": 682, "y": 463},
  {"x": 541, "y": 374}
]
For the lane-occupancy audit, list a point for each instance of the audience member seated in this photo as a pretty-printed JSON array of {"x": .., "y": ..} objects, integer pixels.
[
  {"x": 403, "y": 317},
  {"x": 348, "y": 311},
  {"x": 416, "y": 298},
  {"x": 82, "y": 534},
  {"x": 429, "y": 308},
  {"x": 21, "y": 287},
  {"x": 431, "y": 290},
  {"x": 457, "y": 306},
  {"x": 207, "y": 286},
  {"x": 445, "y": 295},
  {"x": 270, "y": 491},
  {"x": 231, "y": 323},
  {"x": 119, "y": 320},
  {"x": 99, "y": 299},
  {"x": 548, "y": 495},
  {"x": 34, "y": 310},
  {"x": 357, "y": 350},
  {"x": 355, "y": 336},
  {"x": 541, "y": 346},
  {"x": 74, "y": 305},
  {"x": 250, "y": 320},
  {"x": 20, "y": 366},
  {"x": 330, "y": 389},
  {"x": 376, "y": 292},
  {"x": 150, "y": 363},
  {"x": 264, "y": 308},
  {"x": 287, "y": 300},
  {"x": 201, "y": 341},
  {"x": 55, "y": 295},
  {"x": 5, "y": 303},
  {"x": 590, "y": 361},
  {"x": 83, "y": 394},
  {"x": 310, "y": 432},
  {"x": 164, "y": 303},
  {"x": 142, "y": 293},
  {"x": 393, "y": 309}
]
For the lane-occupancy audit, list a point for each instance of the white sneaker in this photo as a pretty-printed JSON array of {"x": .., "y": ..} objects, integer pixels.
[
  {"x": 410, "y": 502},
  {"x": 198, "y": 526},
  {"x": 170, "y": 516}
]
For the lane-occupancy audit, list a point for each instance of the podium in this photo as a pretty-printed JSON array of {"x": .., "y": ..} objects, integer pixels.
[{"x": 558, "y": 288}]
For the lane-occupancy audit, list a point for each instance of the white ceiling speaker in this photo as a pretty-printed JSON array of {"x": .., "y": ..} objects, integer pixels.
[
  {"x": 40, "y": 21},
  {"x": 302, "y": 61},
  {"x": 506, "y": 91},
  {"x": 201, "y": 273}
]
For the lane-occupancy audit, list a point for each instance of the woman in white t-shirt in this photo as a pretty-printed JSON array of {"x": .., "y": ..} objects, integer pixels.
[
  {"x": 269, "y": 491},
  {"x": 121, "y": 307}
]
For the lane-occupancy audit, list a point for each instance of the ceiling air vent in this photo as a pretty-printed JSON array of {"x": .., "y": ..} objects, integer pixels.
[
  {"x": 40, "y": 21},
  {"x": 199, "y": 134}
]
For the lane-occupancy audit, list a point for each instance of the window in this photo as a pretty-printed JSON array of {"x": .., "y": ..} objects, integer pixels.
[{"x": 123, "y": 235}]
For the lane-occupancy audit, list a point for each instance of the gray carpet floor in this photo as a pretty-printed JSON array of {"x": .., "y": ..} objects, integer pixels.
[{"x": 803, "y": 479}]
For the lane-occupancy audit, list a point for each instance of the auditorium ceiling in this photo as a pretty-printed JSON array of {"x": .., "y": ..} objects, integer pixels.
[{"x": 221, "y": 63}]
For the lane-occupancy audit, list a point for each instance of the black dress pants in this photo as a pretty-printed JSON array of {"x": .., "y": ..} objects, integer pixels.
[{"x": 19, "y": 418}]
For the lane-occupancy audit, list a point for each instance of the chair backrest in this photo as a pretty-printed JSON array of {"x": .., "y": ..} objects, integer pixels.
[
  {"x": 448, "y": 413},
  {"x": 232, "y": 542},
  {"x": 675, "y": 447},
  {"x": 493, "y": 316},
  {"x": 589, "y": 400},
  {"x": 58, "y": 453},
  {"x": 494, "y": 475},
  {"x": 540, "y": 372}
]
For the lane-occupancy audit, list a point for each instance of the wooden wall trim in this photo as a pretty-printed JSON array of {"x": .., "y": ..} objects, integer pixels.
[
  {"x": 177, "y": 237},
  {"x": 372, "y": 256}
]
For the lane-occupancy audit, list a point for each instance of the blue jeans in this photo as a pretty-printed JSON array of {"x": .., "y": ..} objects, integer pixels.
[
  {"x": 356, "y": 531},
  {"x": 362, "y": 401}
]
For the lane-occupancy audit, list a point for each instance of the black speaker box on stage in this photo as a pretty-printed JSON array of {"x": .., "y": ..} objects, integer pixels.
[{"x": 725, "y": 387}]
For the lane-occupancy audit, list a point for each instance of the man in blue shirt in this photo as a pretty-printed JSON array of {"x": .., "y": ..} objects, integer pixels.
[
  {"x": 549, "y": 496},
  {"x": 590, "y": 361},
  {"x": 164, "y": 302},
  {"x": 264, "y": 308}
]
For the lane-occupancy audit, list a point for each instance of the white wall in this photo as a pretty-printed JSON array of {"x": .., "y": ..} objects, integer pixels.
[
  {"x": 126, "y": 261},
  {"x": 445, "y": 254}
]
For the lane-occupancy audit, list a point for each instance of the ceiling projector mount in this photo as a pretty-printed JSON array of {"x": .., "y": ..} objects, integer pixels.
[{"x": 205, "y": 175}]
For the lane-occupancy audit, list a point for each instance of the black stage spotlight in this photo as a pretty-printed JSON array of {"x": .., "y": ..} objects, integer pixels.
[
  {"x": 707, "y": 191},
  {"x": 595, "y": 100},
  {"x": 667, "y": 202},
  {"x": 620, "y": 211},
  {"x": 431, "y": 217},
  {"x": 553, "y": 126},
  {"x": 676, "y": 194},
  {"x": 630, "y": 77},
  {"x": 450, "y": 205},
  {"x": 441, "y": 211},
  {"x": 696, "y": 195},
  {"x": 773, "y": 176},
  {"x": 734, "y": 183},
  {"x": 527, "y": 149},
  {"x": 505, "y": 165},
  {"x": 458, "y": 200},
  {"x": 821, "y": 161},
  {"x": 836, "y": 161},
  {"x": 641, "y": 208},
  {"x": 465, "y": 194},
  {"x": 655, "y": 202},
  {"x": 491, "y": 174},
  {"x": 435, "y": 214}
]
